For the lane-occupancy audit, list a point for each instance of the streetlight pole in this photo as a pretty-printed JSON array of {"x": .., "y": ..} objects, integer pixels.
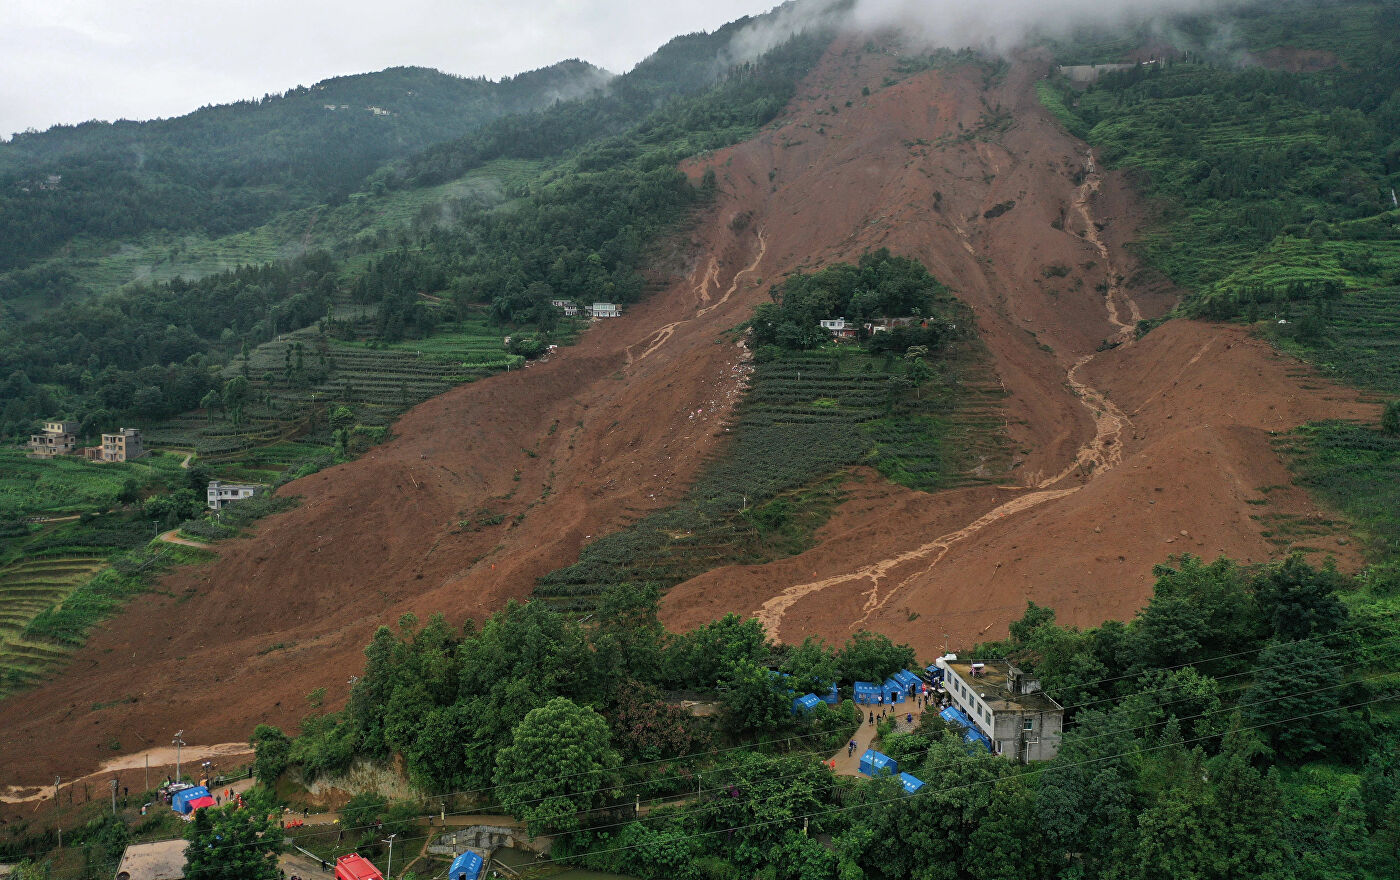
[
  {"x": 114, "y": 796},
  {"x": 177, "y": 743},
  {"x": 389, "y": 872},
  {"x": 57, "y": 781}
]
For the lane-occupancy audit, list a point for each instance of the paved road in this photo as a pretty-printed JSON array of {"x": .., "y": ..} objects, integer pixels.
[{"x": 848, "y": 764}]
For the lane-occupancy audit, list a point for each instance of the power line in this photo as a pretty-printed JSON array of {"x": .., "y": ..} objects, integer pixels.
[
  {"x": 926, "y": 791},
  {"x": 769, "y": 759},
  {"x": 1114, "y": 732},
  {"x": 921, "y": 792}
]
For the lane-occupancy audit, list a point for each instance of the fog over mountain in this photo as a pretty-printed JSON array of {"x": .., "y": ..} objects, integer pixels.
[{"x": 994, "y": 25}]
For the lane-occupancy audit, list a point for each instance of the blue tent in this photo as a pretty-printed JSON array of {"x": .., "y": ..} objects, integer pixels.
[
  {"x": 910, "y": 782},
  {"x": 909, "y": 680},
  {"x": 832, "y": 696},
  {"x": 804, "y": 704},
  {"x": 180, "y": 800},
  {"x": 781, "y": 678},
  {"x": 866, "y": 692},
  {"x": 873, "y": 763},
  {"x": 954, "y": 715},
  {"x": 467, "y": 866},
  {"x": 894, "y": 691}
]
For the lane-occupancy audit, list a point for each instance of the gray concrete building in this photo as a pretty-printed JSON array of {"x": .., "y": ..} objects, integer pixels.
[{"x": 1007, "y": 705}]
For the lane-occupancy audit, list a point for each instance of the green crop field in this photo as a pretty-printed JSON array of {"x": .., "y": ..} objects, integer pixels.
[
  {"x": 377, "y": 381},
  {"x": 1356, "y": 338},
  {"x": 1356, "y": 470},
  {"x": 69, "y": 485},
  {"x": 806, "y": 418},
  {"x": 28, "y": 588}
]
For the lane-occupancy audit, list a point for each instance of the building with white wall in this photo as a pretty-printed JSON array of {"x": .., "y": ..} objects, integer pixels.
[{"x": 1007, "y": 705}]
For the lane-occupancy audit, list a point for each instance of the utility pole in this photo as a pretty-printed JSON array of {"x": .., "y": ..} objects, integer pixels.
[
  {"x": 178, "y": 744},
  {"x": 389, "y": 872},
  {"x": 114, "y": 796},
  {"x": 57, "y": 781},
  {"x": 148, "y": 771}
]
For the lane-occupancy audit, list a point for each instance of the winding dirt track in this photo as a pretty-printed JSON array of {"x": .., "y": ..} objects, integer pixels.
[
  {"x": 1101, "y": 453},
  {"x": 620, "y": 423}
]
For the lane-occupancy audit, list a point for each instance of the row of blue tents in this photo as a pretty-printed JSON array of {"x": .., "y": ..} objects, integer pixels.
[
  {"x": 874, "y": 763},
  {"x": 895, "y": 689},
  {"x": 807, "y": 702},
  {"x": 954, "y": 715}
]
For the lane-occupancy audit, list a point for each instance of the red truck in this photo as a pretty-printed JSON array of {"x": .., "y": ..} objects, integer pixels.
[{"x": 356, "y": 867}]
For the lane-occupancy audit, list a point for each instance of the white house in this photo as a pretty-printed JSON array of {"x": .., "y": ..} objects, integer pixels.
[
  {"x": 222, "y": 494},
  {"x": 604, "y": 310},
  {"x": 839, "y": 328}
]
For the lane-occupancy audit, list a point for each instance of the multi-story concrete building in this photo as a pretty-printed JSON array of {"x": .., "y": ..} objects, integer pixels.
[
  {"x": 124, "y": 445},
  {"x": 222, "y": 494},
  {"x": 604, "y": 310},
  {"x": 1007, "y": 705},
  {"x": 57, "y": 438}
]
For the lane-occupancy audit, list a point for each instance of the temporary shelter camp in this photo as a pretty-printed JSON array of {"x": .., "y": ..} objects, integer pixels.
[
  {"x": 181, "y": 800},
  {"x": 873, "y": 763}
]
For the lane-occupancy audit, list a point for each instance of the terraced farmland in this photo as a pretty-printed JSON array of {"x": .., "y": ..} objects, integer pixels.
[
  {"x": 298, "y": 378},
  {"x": 806, "y": 417},
  {"x": 1361, "y": 340},
  {"x": 27, "y": 588}
]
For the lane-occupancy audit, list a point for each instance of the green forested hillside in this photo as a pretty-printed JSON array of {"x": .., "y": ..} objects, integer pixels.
[
  {"x": 1274, "y": 187},
  {"x": 576, "y": 225},
  {"x": 227, "y": 168}
]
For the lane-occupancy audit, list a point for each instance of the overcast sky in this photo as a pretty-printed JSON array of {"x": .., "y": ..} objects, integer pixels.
[{"x": 74, "y": 60}]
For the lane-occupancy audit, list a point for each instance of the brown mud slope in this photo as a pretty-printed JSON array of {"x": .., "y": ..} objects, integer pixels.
[
  {"x": 1141, "y": 450},
  {"x": 619, "y": 424}
]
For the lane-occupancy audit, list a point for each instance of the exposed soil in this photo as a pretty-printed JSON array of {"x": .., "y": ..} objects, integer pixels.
[
  {"x": 1133, "y": 450},
  {"x": 1172, "y": 443}
]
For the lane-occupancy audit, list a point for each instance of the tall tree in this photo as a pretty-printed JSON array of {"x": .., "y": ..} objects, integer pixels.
[
  {"x": 227, "y": 843},
  {"x": 559, "y": 763}
]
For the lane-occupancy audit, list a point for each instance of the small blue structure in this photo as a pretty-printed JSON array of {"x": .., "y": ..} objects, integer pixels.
[
  {"x": 910, "y": 782},
  {"x": 954, "y": 715},
  {"x": 873, "y": 763},
  {"x": 909, "y": 680},
  {"x": 467, "y": 866},
  {"x": 865, "y": 692},
  {"x": 804, "y": 704},
  {"x": 831, "y": 697},
  {"x": 894, "y": 691},
  {"x": 935, "y": 674},
  {"x": 180, "y": 800}
]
